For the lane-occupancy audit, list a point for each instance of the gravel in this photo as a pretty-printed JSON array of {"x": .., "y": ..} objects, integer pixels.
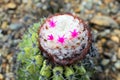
[{"x": 103, "y": 17}]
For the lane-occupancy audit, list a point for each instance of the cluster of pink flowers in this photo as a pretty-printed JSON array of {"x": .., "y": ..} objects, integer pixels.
[
  {"x": 61, "y": 39},
  {"x": 52, "y": 23}
]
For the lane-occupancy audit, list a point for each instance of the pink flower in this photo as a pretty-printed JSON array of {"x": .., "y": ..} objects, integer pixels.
[
  {"x": 52, "y": 23},
  {"x": 61, "y": 39},
  {"x": 74, "y": 33},
  {"x": 50, "y": 37}
]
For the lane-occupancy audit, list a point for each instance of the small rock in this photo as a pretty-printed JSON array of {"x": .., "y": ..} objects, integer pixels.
[
  {"x": 39, "y": 5},
  {"x": 15, "y": 42},
  {"x": 15, "y": 26},
  {"x": 114, "y": 58},
  {"x": 114, "y": 7},
  {"x": 7, "y": 68},
  {"x": 36, "y": 1},
  {"x": 5, "y": 38},
  {"x": 105, "y": 62},
  {"x": 100, "y": 50},
  {"x": 9, "y": 58},
  {"x": 1, "y": 1},
  {"x": 110, "y": 44},
  {"x": 104, "y": 33},
  {"x": 4, "y": 25},
  {"x": 0, "y": 59},
  {"x": 18, "y": 1},
  {"x": 88, "y": 4},
  {"x": 10, "y": 74},
  {"x": 44, "y": 7},
  {"x": 118, "y": 19},
  {"x": 11, "y": 12},
  {"x": 77, "y": 9},
  {"x": 27, "y": 18},
  {"x": 4, "y": 53},
  {"x": 118, "y": 54},
  {"x": 103, "y": 40},
  {"x": 6, "y": 1},
  {"x": 118, "y": 76},
  {"x": 117, "y": 64},
  {"x": 11, "y": 5},
  {"x": 116, "y": 32},
  {"x": 1, "y": 77},
  {"x": 104, "y": 21},
  {"x": 108, "y": 54},
  {"x": 1, "y": 35},
  {"x": 115, "y": 39},
  {"x": 107, "y": 1},
  {"x": 25, "y": 1}
]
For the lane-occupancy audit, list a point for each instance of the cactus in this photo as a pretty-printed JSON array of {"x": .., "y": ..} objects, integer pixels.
[
  {"x": 58, "y": 73},
  {"x": 56, "y": 48},
  {"x": 69, "y": 73},
  {"x": 79, "y": 69}
]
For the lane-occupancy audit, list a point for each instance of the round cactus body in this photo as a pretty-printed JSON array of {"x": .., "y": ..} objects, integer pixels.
[
  {"x": 69, "y": 73},
  {"x": 58, "y": 73},
  {"x": 45, "y": 70},
  {"x": 52, "y": 49},
  {"x": 64, "y": 38},
  {"x": 80, "y": 69}
]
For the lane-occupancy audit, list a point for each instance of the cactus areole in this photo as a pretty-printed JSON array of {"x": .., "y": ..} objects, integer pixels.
[{"x": 64, "y": 38}]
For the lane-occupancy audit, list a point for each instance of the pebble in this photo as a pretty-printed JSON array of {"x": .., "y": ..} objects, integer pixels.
[
  {"x": 1, "y": 76},
  {"x": 1, "y": 1},
  {"x": 1, "y": 35},
  {"x": 117, "y": 64},
  {"x": 104, "y": 21},
  {"x": 39, "y": 5},
  {"x": 77, "y": 9},
  {"x": 114, "y": 8},
  {"x": 10, "y": 75},
  {"x": 5, "y": 38},
  {"x": 6, "y": 18},
  {"x": 108, "y": 55},
  {"x": 107, "y": 1},
  {"x": 15, "y": 26},
  {"x": 25, "y": 1},
  {"x": 114, "y": 58},
  {"x": 1, "y": 15},
  {"x": 18, "y": 1},
  {"x": 88, "y": 4},
  {"x": 105, "y": 62},
  {"x": 27, "y": 18},
  {"x": 9, "y": 58},
  {"x": 0, "y": 59},
  {"x": 15, "y": 42},
  {"x": 6, "y": 1},
  {"x": 7, "y": 68},
  {"x": 115, "y": 39},
  {"x": 118, "y": 76},
  {"x": 118, "y": 19},
  {"x": 110, "y": 44},
  {"x": 103, "y": 40},
  {"x": 116, "y": 32},
  {"x": 11, "y": 5},
  {"x": 118, "y": 53},
  {"x": 4, "y": 53},
  {"x": 104, "y": 33},
  {"x": 100, "y": 50},
  {"x": 4, "y": 25}
]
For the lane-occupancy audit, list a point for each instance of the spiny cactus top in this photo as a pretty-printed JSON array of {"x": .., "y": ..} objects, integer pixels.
[{"x": 64, "y": 38}]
